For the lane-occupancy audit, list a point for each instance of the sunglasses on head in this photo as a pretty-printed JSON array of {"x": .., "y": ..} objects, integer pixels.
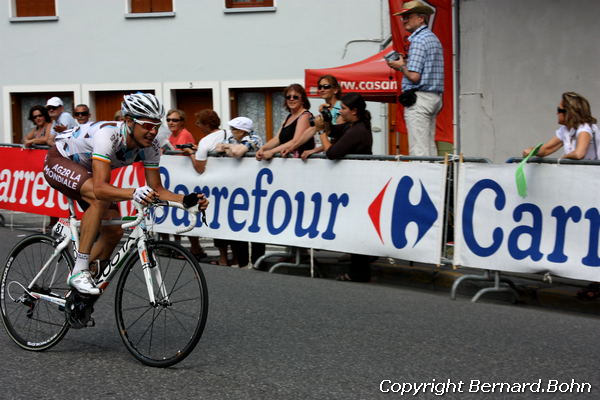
[
  {"x": 51, "y": 108},
  {"x": 292, "y": 97},
  {"x": 147, "y": 125},
  {"x": 173, "y": 119},
  {"x": 81, "y": 114},
  {"x": 326, "y": 86},
  {"x": 561, "y": 110}
]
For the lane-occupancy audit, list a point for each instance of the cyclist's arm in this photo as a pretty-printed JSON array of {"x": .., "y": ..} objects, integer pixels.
[
  {"x": 103, "y": 190},
  {"x": 153, "y": 180}
]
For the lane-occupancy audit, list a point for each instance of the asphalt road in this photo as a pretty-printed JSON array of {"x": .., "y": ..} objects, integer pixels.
[{"x": 272, "y": 336}]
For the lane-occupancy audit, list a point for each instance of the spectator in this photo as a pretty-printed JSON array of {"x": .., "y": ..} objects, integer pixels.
[
  {"x": 208, "y": 121},
  {"x": 353, "y": 136},
  {"x": 118, "y": 116},
  {"x": 178, "y": 136},
  {"x": 242, "y": 141},
  {"x": 40, "y": 134},
  {"x": 82, "y": 114},
  {"x": 175, "y": 123},
  {"x": 329, "y": 89},
  {"x": 577, "y": 132},
  {"x": 297, "y": 121},
  {"x": 61, "y": 120},
  {"x": 423, "y": 79}
]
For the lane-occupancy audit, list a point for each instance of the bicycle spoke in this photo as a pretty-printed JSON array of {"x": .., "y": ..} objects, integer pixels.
[
  {"x": 136, "y": 295},
  {"x": 138, "y": 318}
]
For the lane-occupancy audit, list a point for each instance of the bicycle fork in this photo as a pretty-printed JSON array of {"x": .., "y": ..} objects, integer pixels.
[{"x": 152, "y": 274}]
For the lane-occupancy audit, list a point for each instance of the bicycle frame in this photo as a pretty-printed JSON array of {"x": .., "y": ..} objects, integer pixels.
[{"x": 139, "y": 237}]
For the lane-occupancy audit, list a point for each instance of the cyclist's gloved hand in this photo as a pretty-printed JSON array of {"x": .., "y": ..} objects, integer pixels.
[
  {"x": 141, "y": 194},
  {"x": 190, "y": 200}
]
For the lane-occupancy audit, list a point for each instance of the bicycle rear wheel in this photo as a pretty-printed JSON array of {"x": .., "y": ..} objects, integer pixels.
[
  {"x": 164, "y": 333},
  {"x": 32, "y": 323}
]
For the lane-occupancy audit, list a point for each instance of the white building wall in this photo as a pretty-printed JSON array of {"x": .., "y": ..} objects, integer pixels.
[
  {"x": 93, "y": 46},
  {"x": 517, "y": 58}
]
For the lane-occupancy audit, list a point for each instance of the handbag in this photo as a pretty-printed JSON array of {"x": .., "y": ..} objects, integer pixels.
[{"x": 408, "y": 98}]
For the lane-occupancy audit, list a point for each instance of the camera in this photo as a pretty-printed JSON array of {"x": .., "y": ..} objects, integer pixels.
[
  {"x": 326, "y": 115},
  {"x": 184, "y": 146},
  {"x": 392, "y": 56}
]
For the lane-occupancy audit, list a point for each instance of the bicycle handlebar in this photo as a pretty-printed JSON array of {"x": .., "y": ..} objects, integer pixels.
[{"x": 195, "y": 211}]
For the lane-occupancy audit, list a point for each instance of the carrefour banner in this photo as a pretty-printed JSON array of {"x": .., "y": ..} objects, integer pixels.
[
  {"x": 554, "y": 229},
  {"x": 382, "y": 208}
]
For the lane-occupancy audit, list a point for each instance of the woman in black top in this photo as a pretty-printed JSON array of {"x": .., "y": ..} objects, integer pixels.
[
  {"x": 354, "y": 136},
  {"x": 297, "y": 121}
]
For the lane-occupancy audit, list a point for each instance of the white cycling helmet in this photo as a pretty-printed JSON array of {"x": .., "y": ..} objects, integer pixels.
[{"x": 142, "y": 105}]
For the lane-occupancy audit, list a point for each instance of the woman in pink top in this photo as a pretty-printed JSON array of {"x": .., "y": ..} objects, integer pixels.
[
  {"x": 180, "y": 135},
  {"x": 175, "y": 123}
]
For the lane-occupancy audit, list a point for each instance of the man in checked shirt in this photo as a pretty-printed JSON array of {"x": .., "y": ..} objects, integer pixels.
[{"x": 423, "y": 73}]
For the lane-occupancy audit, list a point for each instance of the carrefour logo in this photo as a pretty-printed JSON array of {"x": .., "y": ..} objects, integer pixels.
[{"x": 423, "y": 214}]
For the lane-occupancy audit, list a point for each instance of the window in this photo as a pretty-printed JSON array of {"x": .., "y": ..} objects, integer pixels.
[
  {"x": 35, "y": 8},
  {"x": 22, "y": 102},
  {"x": 151, "y": 6},
  {"x": 248, "y": 3},
  {"x": 264, "y": 106}
]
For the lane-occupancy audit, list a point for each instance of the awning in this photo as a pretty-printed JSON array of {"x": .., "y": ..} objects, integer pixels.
[{"x": 370, "y": 77}]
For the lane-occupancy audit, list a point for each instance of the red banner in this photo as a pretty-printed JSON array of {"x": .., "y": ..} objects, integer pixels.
[
  {"x": 441, "y": 24},
  {"x": 24, "y": 188}
]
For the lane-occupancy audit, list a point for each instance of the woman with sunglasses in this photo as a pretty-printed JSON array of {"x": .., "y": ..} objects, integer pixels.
[
  {"x": 578, "y": 132},
  {"x": 175, "y": 123},
  {"x": 40, "y": 134},
  {"x": 329, "y": 89},
  {"x": 297, "y": 121},
  {"x": 180, "y": 136}
]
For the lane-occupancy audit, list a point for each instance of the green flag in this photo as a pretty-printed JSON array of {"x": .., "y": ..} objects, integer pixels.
[{"x": 520, "y": 174}]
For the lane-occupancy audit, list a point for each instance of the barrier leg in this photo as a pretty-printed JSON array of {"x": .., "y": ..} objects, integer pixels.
[
  {"x": 457, "y": 282},
  {"x": 497, "y": 288},
  {"x": 272, "y": 254},
  {"x": 297, "y": 264}
]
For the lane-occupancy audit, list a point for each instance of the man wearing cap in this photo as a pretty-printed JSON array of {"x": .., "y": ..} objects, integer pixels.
[
  {"x": 242, "y": 140},
  {"x": 61, "y": 120},
  {"x": 423, "y": 73}
]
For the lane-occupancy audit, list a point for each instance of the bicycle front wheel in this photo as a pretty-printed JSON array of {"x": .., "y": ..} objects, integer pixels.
[
  {"x": 163, "y": 332},
  {"x": 32, "y": 321}
]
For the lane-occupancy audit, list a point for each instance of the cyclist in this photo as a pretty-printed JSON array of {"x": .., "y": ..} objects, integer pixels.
[{"x": 80, "y": 164}]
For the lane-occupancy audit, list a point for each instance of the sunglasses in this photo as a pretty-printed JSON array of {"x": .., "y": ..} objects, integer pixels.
[
  {"x": 173, "y": 119},
  {"x": 292, "y": 97},
  {"x": 147, "y": 125},
  {"x": 51, "y": 108},
  {"x": 36, "y": 116},
  {"x": 81, "y": 114},
  {"x": 320, "y": 87},
  {"x": 561, "y": 110}
]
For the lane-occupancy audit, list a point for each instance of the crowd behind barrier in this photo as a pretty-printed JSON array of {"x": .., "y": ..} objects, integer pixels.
[{"x": 409, "y": 207}]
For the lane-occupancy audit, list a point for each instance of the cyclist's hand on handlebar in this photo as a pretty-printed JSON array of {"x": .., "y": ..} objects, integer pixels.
[
  {"x": 145, "y": 195},
  {"x": 190, "y": 200}
]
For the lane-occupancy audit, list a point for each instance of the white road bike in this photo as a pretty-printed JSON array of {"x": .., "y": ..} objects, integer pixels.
[{"x": 161, "y": 300}]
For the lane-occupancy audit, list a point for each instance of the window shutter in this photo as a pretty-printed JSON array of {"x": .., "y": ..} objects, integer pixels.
[{"x": 35, "y": 8}]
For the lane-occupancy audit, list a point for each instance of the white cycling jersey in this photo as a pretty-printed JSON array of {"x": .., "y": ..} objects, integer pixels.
[{"x": 104, "y": 141}]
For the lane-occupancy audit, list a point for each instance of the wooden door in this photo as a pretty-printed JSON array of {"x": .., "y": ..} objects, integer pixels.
[
  {"x": 108, "y": 102},
  {"x": 191, "y": 101}
]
